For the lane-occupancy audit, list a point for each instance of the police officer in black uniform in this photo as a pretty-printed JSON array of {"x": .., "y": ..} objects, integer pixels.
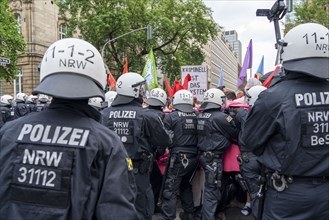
[
  {"x": 20, "y": 108},
  {"x": 7, "y": 111},
  {"x": 31, "y": 103},
  {"x": 139, "y": 130},
  {"x": 251, "y": 169},
  {"x": 215, "y": 132},
  {"x": 42, "y": 103},
  {"x": 61, "y": 163},
  {"x": 155, "y": 103},
  {"x": 182, "y": 156},
  {"x": 288, "y": 129}
]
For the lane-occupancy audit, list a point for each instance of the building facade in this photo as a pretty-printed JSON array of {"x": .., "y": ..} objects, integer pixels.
[
  {"x": 220, "y": 56},
  {"x": 233, "y": 38},
  {"x": 39, "y": 24}
]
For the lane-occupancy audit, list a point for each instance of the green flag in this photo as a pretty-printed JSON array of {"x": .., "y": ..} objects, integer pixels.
[{"x": 149, "y": 72}]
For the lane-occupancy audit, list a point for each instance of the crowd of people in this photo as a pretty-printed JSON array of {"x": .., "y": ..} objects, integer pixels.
[
  {"x": 22, "y": 105},
  {"x": 69, "y": 151}
]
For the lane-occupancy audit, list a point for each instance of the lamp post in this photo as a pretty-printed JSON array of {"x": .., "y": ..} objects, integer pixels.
[{"x": 149, "y": 36}]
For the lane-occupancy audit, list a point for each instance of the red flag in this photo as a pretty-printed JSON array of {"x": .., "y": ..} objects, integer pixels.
[
  {"x": 177, "y": 86},
  {"x": 111, "y": 81},
  {"x": 125, "y": 68},
  {"x": 186, "y": 80},
  {"x": 268, "y": 81},
  {"x": 168, "y": 87}
]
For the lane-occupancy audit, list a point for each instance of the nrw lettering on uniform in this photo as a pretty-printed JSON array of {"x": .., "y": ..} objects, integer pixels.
[
  {"x": 320, "y": 127},
  {"x": 40, "y": 157},
  {"x": 318, "y": 116},
  {"x": 39, "y": 133}
]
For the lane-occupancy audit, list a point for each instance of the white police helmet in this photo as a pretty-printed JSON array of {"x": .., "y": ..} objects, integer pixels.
[
  {"x": 183, "y": 101},
  {"x": 129, "y": 86},
  {"x": 43, "y": 98},
  {"x": 21, "y": 97},
  {"x": 109, "y": 97},
  {"x": 305, "y": 50},
  {"x": 31, "y": 99},
  {"x": 252, "y": 82},
  {"x": 158, "y": 97},
  {"x": 213, "y": 98},
  {"x": 253, "y": 93},
  {"x": 72, "y": 69},
  {"x": 96, "y": 102},
  {"x": 6, "y": 100}
]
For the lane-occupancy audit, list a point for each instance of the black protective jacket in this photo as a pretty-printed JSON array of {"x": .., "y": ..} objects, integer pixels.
[
  {"x": 139, "y": 128},
  {"x": 20, "y": 109},
  {"x": 31, "y": 107},
  {"x": 216, "y": 130},
  {"x": 7, "y": 113},
  {"x": 288, "y": 126},
  {"x": 183, "y": 125},
  {"x": 158, "y": 150},
  {"x": 240, "y": 120},
  {"x": 62, "y": 164}
]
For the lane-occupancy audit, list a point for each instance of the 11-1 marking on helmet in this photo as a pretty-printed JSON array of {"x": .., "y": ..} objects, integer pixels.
[
  {"x": 319, "y": 46},
  {"x": 315, "y": 37}
]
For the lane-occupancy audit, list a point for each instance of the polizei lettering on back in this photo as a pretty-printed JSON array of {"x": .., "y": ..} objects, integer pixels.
[
  {"x": 122, "y": 114},
  {"x": 184, "y": 114},
  {"x": 311, "y": 99},
  {"x": 53, "y": 135}
]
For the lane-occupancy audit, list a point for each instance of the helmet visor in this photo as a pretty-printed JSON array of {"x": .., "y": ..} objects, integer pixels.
[
  {"x": 69, "y": 86},
  {"x": 184, "y": 108}
]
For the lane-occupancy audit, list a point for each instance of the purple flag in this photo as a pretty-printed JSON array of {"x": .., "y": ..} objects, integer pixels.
[{"x": 247, "y": 64}]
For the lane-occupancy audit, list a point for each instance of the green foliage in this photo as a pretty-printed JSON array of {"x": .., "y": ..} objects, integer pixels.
[
  {"x": 11, "y": 41},
  {"x": 180, "y": 29},
  {"x": 315, "y": 11}
]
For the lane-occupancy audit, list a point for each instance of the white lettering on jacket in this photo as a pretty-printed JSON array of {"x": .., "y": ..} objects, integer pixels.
[
  {"x": 39, "y": 133},
  {"x": 122, "y": 114},
  {"x": 312, "y": 99}
]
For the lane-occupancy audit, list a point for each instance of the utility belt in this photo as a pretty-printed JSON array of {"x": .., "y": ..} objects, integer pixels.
[
  {"x": 188, "y": 149},
  {"x": 144, "y": 164},
  {"x": 281, "y": 182},
  {"x": 209, "y": 156},
  {"x": 184, "y": 158}
]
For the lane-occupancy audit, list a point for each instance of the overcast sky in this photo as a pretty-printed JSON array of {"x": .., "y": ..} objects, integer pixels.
[{"x": 240, "y": 15}]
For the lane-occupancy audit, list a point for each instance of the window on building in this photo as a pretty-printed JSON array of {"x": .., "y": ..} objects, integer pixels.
[
  {"x": 19, "y": 22},
  {"x": 62, "y": 31},
  {"x": 19, "y": 82}
]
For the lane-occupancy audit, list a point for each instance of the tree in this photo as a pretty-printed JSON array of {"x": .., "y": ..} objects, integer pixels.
[
  {"x": 315, "y": 11},
  {"x": 180, "y": 29},
  {"x": 11, "y": 41}
]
